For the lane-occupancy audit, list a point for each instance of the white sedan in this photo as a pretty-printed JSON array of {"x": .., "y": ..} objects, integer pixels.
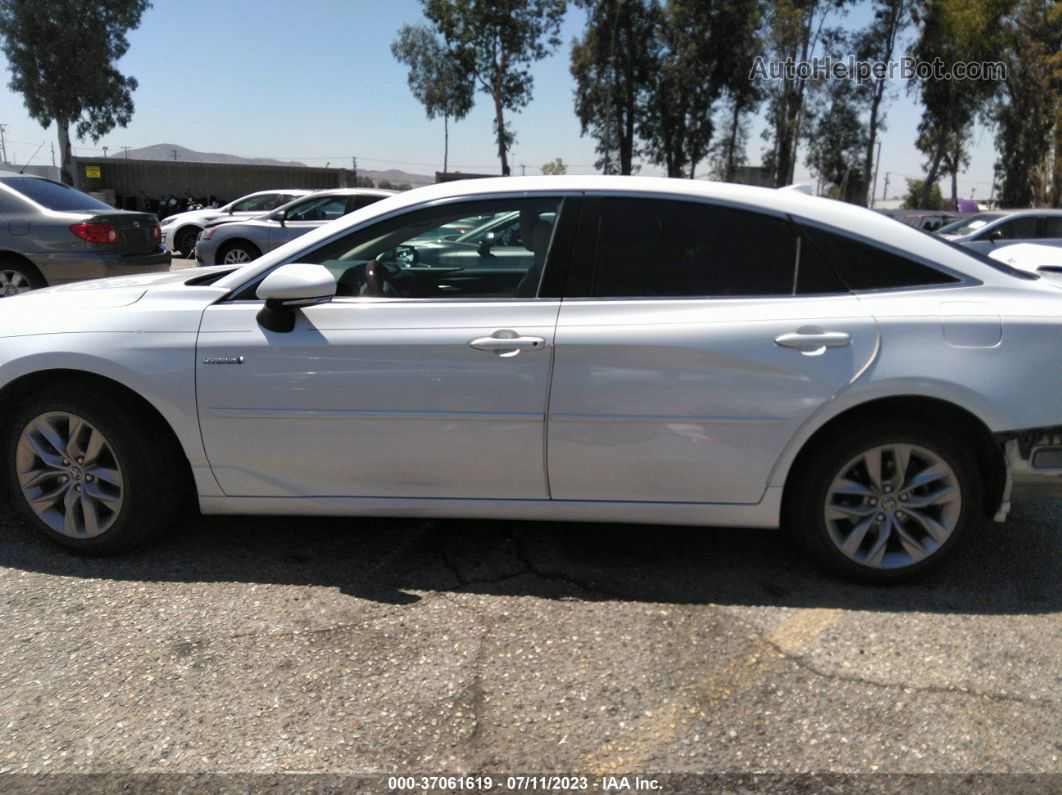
[
  {"x": 1032, "y": 257},
  {"x": 670, "y": 352},
  {"x": 179, "y": 231}
]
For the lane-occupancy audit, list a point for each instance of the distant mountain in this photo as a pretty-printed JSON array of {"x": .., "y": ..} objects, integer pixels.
[{"x": 165, "y": 152}]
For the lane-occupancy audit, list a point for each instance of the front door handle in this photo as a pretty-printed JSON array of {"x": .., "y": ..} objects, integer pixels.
[
  {"x": 507, "y": 343},
  {"x": 813, "y": 340}
]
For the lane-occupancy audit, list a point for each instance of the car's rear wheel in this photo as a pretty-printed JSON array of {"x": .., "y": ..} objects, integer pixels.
[
  {"x": 238, "y": 253},
  {"x": 885, "y": 504},
  {"x": 185, "y": 240},
  {"x": 17, "y": 278},
  {"x": 92, "y": 473}
]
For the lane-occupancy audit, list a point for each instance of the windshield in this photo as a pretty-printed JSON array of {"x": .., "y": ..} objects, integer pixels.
[
  {"x": 966, "y": 226},
  {"x": 54, "y": 195}
]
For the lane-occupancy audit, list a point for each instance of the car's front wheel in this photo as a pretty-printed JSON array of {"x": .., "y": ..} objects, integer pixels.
[
  {"x": 238, "y": 253},
  {"x": 887, "y": 503},
  {"x": 93, "y": 474}
]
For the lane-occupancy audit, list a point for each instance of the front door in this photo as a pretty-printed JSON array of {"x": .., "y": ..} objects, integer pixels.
[{"x": 383, "y": 393}]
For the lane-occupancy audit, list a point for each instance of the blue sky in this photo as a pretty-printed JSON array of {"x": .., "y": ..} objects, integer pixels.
[{"x": 315, "y": 81}]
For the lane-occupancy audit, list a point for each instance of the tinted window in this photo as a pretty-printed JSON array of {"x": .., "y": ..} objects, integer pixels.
[
  {"x": 865, "y": 267},
  {"x": 357, "y": 202},
  {"x": 1016, "y": 229},
  {"x": 321, "y": 208},
  {"x": 660, "y": 248},
  {"x": 54, "y": 195},
  {"x": 10, "y": 205},
  {"x": 1051, "y": 227}
]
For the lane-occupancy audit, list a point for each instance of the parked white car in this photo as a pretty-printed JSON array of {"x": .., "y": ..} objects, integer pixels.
[
  {"x": 1030, "y": 257},
  {"x": 179, "y": 231},
  {"x": 673, "y": 352},
  {"x": 242, "y": 241}
]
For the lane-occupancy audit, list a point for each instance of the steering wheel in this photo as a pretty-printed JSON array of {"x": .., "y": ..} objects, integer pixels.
[{"x": 379, "y": 281}]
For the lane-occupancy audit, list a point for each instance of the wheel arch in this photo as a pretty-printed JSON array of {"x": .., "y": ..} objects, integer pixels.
[
  {"x": 22, "y": 259},
  {"x": 934, "y": 410},
  {"x": 184, "y": 228},
  {"x": 232, "y": 242},
  {"x": 24, "y": 386}
]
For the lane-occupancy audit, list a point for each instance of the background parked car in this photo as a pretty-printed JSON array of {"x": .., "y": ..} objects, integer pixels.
[
  {"x": 51, "y": 234},
  {"x": 984, "y": 231},
  {"x": 1030, "y": 257},
  {"x": 179, "y": 232},
  {"x": 928, "y": 220},
  {"x": 234, "y": 243}
]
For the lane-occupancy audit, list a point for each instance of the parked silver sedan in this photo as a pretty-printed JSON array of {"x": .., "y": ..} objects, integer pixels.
[
  {"x": 52, "y": 234},
  {"x": 234, "y": 243},
  {"x": 984, "y": 231},
  {"x": 671, "y": 351}
]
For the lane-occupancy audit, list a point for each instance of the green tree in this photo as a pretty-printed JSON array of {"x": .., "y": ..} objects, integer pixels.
[
  {"x": 554, "y": 167},
  {"x": 955, "y": 31},
  {"x": 435, "y": 78},
  {"x": 743, "y": 93},
  {"x": 62, "y": 55},
  {"x": 495, "y": 42},
  {"x": 1027, "y": 114},
  {"x": 837, "y": 142},
  {"x": 914, "y": 199},
  {"x": 794, "y": 31},
  {"x": 877, "y": 43},
  {"x": 612, "y": 65}
]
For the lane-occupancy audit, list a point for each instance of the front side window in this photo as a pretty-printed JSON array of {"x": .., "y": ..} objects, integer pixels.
[
  {"x": 672, "y": 249},
  {"x": 320, "y": 208},
  {"x": 1050, "y": 227},
  {"x": 258, "y": 204},
  {"x": 1021, "y": 228},
  {"x": 55, "y": 195},
  {"x": 484, "y": 249}
]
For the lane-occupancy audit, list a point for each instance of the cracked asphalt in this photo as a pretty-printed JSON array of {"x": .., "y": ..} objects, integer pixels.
[{"x": 250, "y": 645}]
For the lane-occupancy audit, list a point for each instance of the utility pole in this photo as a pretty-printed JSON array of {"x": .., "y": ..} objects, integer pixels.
[
  {"x": 126, "y": 150},
  {"x": 523, "y": 169},
  {"x": 53, "y": 154},
  {"x": 877, "y": 165},
  {"x": 885, "y": 189},
  {"x": 3, "y": 145},
  {"x": 354, "y": 168},
  {"x": 105, "y": 152},
  {"x": 174, "y": 151}
]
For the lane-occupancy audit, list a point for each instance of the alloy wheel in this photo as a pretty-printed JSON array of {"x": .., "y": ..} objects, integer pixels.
[
  {"x": 69, "y": 475},
  {"x": 236, "y": 256},
  {"x": 13, "y": 282},
  {"x": 893, "y": 506}
]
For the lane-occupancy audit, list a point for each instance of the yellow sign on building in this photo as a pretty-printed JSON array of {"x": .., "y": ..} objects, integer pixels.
[{"x": 92, "y": 171}]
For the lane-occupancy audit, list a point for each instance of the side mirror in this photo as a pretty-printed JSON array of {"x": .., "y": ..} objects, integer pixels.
[
  {"x": 486, "y": 244},
  {"x": 994, "y": 235},
  {"x": 290, "y": 287},
  {"x": 281, "y": 215}
]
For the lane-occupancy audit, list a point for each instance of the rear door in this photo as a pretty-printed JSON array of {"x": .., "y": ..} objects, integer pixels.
[{"x": 693, "y": 341}]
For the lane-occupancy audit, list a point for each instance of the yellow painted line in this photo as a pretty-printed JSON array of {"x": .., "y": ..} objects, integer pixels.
[{"x": 659, "y": 727}]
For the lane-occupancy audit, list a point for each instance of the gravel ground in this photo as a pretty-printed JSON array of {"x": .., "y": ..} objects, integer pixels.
[{"x": 273, "y": 646}]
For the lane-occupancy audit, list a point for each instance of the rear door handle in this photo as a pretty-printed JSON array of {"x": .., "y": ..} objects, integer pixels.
[
  {"x": 507, "y": 343},
  {"x": 813, "y": 341}
]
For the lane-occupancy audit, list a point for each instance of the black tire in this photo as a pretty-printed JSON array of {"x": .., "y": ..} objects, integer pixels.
[
  {"x": 185, "y": 239},
  {"x": 806, "y": 494},
  {"x": 250, "y": 249},
  {"x": 147, "y": 456},
  {"x": 19, "y": 269}
]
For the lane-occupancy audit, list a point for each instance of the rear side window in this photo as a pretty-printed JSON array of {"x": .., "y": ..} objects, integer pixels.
[
  {"x": 865, "y": 267},
  {"x": 1051, "y": 227},
  {"x": 669, "y": 249},
  {"x": 1022, "y": 228},
  {"x": 54, "y": 195}
]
